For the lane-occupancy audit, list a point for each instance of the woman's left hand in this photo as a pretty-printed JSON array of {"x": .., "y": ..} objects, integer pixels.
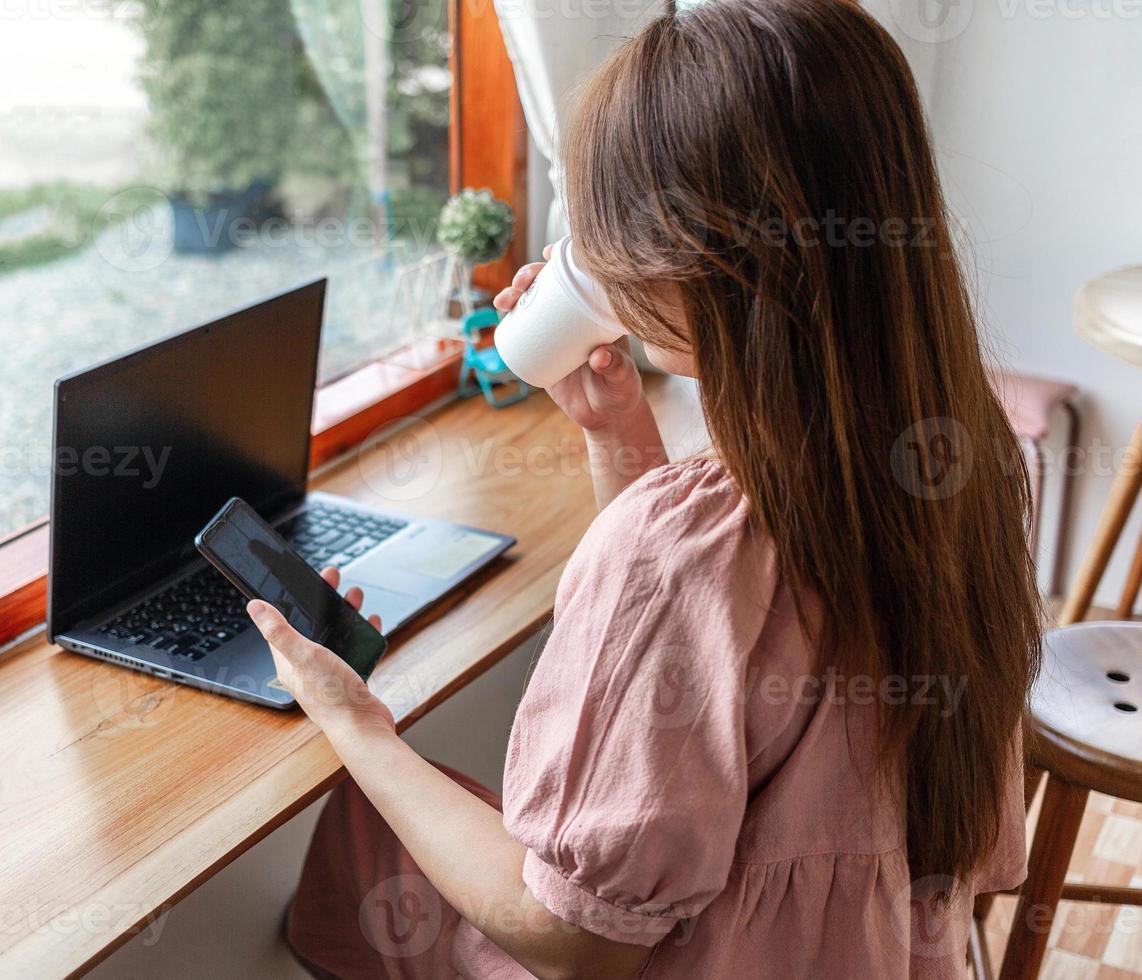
[{"x": 326, "y": 687}]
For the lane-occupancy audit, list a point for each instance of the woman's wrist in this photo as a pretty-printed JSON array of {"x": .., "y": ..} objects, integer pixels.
[
  {"x": 636, "y": 429},
  {"x": 623, "y": 451},
  {"x": 360, "y": 726},
  {"x": 621, "y": 426}
]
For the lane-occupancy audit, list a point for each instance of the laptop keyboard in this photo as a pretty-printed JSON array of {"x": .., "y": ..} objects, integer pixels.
[
  {"x": 199, "y": 613},
  {"x": 330, "y": 536}
]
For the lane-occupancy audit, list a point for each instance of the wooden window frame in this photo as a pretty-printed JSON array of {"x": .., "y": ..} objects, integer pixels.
[{"x": 488, "y": 148}]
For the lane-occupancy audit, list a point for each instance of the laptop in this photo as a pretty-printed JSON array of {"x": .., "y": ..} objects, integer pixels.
[{"x": 148, "y": 446}]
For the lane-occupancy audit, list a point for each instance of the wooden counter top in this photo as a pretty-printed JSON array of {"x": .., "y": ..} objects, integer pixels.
[{"x": 121, "y": 793}]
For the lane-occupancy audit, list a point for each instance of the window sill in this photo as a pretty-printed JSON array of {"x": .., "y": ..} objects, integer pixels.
[
  {"x": 23, "y": 581},
  {"x": 346, "y": 412}
]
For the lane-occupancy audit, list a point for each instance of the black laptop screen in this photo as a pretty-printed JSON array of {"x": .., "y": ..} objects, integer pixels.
[{"x": 150, "y": 445}]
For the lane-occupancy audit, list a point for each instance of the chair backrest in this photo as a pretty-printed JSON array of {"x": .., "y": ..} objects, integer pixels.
[{"x": 479, "y": 320}]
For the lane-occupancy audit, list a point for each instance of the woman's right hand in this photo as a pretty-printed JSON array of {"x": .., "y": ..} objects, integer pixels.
[{"x": 599, "y": 394}]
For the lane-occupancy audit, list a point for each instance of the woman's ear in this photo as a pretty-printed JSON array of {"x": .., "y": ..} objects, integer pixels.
[
  {"x": 671, "y": 361},
  {"x": 678, "y": 358}
]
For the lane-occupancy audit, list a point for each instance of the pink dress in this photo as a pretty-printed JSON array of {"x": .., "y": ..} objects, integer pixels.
[{"x": 682, "y": 774}]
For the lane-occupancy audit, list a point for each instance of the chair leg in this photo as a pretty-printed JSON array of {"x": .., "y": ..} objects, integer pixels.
[
  {"x": 467, "y": 388},
  {"x": 1133, "y": 583},
  {"x": 1038, "y": 477},
  {"x": 977, "y": 952},
  {"x": 1067, "y": 486},
  {"x": 1055, "y": 834},
  {"x": 1123, "y": 493},
  {"x": 1032, "y": 779}
]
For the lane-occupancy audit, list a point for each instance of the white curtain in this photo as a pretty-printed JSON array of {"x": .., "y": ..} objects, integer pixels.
[{"x": 553, "y": 45}]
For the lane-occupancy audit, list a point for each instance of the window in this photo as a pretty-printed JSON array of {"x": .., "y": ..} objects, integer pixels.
[{"x": 162, "y": 163}]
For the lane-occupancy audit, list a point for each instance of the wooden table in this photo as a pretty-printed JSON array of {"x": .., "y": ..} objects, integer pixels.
[{"x": 122, "y": 793}]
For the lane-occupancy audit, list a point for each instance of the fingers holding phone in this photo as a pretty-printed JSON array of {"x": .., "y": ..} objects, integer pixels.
[
  {"x": 355, "y": 597},
  {"x": 323, "y": 648},
  {"x": 326, "y": 687}
]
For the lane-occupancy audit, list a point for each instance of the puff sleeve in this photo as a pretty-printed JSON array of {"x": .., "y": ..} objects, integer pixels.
[{"x": 627, "y": 773}]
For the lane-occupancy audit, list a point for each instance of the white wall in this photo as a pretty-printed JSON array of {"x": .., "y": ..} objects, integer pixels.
[{"x": 1036, "y": 111}]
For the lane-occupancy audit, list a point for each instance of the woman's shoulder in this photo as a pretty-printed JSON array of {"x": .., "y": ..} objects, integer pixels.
[
  {"x": 675, "y": 497},
  {"x": 678, "y": 519}
]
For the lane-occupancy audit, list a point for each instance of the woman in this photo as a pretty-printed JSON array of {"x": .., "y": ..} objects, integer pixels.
[{"x": 775, "y": 728}]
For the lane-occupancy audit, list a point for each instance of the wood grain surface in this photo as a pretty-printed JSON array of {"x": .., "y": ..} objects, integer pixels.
[{"x": 121, "y": 793}]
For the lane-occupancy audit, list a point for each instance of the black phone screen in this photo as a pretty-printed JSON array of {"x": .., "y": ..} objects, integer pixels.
[{"x": 262, "y": 565}]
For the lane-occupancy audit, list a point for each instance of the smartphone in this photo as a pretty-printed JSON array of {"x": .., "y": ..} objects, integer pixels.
[{"x": 261, "y": 564}]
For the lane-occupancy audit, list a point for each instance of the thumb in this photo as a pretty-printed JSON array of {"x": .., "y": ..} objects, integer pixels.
[
  {"x": 609, "y": 362},
  {"x": 276, "y": 630}
]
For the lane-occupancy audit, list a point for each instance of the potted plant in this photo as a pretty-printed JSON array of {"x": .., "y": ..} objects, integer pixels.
[
  {"x": 222, "y": 78},
  {"x": 475, "y": 227}
]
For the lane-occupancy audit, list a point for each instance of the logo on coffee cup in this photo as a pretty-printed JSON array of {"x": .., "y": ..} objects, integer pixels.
[{"x": 528, "y": 295}]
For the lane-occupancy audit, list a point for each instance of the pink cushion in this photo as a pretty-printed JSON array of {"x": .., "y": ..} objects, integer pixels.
[{"x": 1029, "y": 400}]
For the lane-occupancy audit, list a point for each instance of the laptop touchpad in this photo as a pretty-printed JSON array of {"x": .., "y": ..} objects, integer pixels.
[{"x": 393, "y": 607}]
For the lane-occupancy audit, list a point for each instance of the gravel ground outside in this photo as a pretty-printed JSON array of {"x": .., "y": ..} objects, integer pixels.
[{"x": 129, "y": 289}]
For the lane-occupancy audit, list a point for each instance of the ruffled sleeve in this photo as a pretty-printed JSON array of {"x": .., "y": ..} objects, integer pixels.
[{"x": 627, "y": 773}]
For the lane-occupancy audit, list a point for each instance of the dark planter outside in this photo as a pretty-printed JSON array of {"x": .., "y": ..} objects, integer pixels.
[{"x": 208, "y": 229}]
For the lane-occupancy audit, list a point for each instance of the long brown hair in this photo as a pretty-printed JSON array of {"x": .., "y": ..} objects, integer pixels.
[{"x": 767, "y": 162}]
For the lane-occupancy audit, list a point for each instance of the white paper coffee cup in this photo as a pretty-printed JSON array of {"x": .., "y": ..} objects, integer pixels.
[{"x": 563, "y": 316}]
